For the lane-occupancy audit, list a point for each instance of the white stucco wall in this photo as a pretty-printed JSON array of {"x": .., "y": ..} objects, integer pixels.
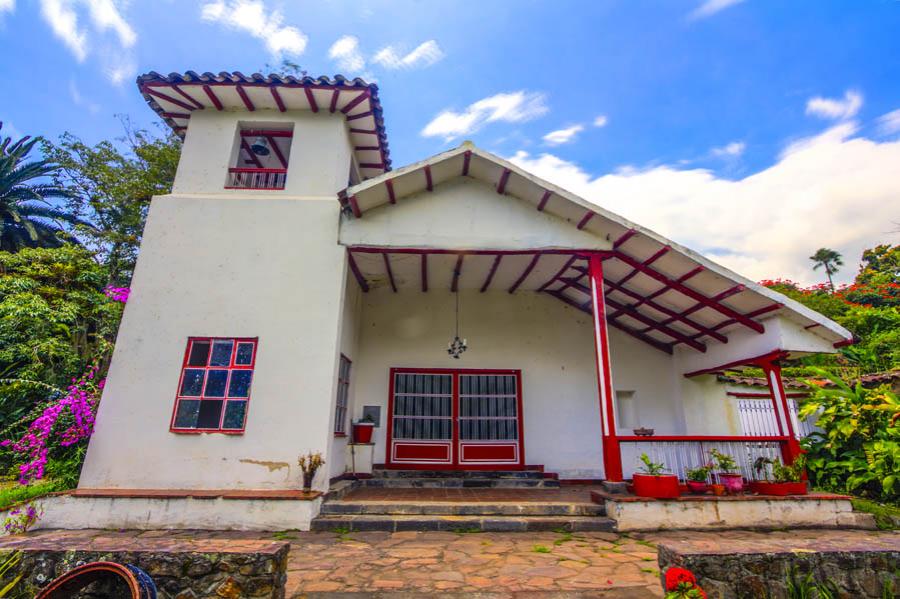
[
  {"x": 319, "y": 162},
  {"x": 225, "y": 266},
  {"x": 550, "y": 342},
  {"x": 349, "y": 346}
]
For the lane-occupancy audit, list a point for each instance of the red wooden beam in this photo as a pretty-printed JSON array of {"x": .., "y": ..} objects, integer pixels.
[
  {"x": 361, "y": 115},
  {"x": 190, "y": 99},
  {"x": 491, "y": 273},
  {"x": 355, "y": 207},
  {"x": 585, "y": 219},
  {"x": 728, "y": 292},
  {"x": 389, "y": 184},
  {"x": 646, "y": 262},
  {"x": 684, "y": 290},
  {"x": 245, "y": 98},
  {"x": 311, "y": 99},
  {"x": 269, "y": 132},
  {"x": 775, "y": 354},
  {"x": 749, "y": 395},
  {"x": 246, "y": 147},
  {"x": 390, "y": 273},
  {"x": 356, "y": 273},
  {"x": 355, "y": 102},
  {"x": 277, "y": 150},
  {"x": 632, "y": 313},
  {"x": 170, "y": 99},
  {"x": 753, "y": 314},
  {"x": 366, "y": 148},
  {"x": 525, "y": 274},
  {"x": 467, "y": 158},
  {"x": 544, "y": 199},
  {"x": 212, "y": 97},
  {"x": 334, "y": 99},
  {"x": 504, "y": 178},
  {"x": 428, "y": 184},
  {"x": 623, "y": 238},
  {"x": 559, "y": 273},
  {"x": 367, "y": 131},
  {"x": 371, "y": 165},
  {"x": 668, "y": 311},
  {"x": 701, "y": 438},
  {"x": 424, "y": 273},
  {"x": 176, "y": 115},
  {"x": 278, "y": 101},
  {"x": 663, "y": 347},
  {"x": 457, "y": 270}
]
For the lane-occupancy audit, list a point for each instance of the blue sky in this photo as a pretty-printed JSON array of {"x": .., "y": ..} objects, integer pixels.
[{"x": 753, "y": 131}]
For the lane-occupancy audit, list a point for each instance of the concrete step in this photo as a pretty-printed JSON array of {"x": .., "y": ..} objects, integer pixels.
[
  {"x": 458, "y": 508},
  {"x": 396, "y": 523},
  {"x": 464, "y": 474},
  {"x": 445, "y": 482}
]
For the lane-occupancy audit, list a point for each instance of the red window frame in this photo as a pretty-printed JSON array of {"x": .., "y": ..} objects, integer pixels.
[
  {"x": 231, "y": 367},
  {"x": 343, "y": 393}
]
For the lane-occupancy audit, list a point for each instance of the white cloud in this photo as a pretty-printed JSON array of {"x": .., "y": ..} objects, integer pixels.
[
  {"x": 889, "y": 123},
  {"x": 732, "y": 150},
  {"x": 832, "y": 189},
  {"x": 831, "y": 108},
  {"x": 601, "y": 121},
  {"x": 80, "y": 100},
  {"x": 251, "y": 16},
  {"x": 424, "y": 55},
  {"x": 563, "y": 136},
  {"x": 711, "y": 7},
  {"x": 104, "y": 16},
  {"x": 346, "y": 53},
  {"x": 7, "y": 5},
  {"x": 514, "y": 107}
]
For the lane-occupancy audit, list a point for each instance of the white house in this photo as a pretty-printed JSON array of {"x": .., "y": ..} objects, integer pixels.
[{"x": 292, "y": 281}]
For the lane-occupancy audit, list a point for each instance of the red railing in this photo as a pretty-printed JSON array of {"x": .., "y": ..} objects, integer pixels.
[{"x": 256, "y": 178}]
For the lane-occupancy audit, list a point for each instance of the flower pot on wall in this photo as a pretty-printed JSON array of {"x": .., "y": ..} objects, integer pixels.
[
  {"x": 663, "y": 486},
  {"x": 697, "y": 488},
  {"x": 362, "y": 432},
  {"x": 734, "y": 483},
  {"x": 769, "y": 488}
]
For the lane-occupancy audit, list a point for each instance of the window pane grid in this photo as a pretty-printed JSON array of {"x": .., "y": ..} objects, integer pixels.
[
  {"x": 343, "y": 391},
  {"x": 215, "y": 385}
]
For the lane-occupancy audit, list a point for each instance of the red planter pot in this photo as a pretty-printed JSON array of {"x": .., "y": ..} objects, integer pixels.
[
  {"x": 768, "y": 488},
  {"x": 697, "y": 488},
  {"x": 734, "y": 483},
  {"x": 664, "y": 486},
  {"x": 362, "y": 432}
]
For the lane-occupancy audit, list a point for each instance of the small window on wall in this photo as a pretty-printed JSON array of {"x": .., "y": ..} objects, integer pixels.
[
  {"x": 261, "y": 158},
  {"x": 343, "y": 388},
  {"x": 214, "y": 388},
  {"x": 626, "y": 411}
]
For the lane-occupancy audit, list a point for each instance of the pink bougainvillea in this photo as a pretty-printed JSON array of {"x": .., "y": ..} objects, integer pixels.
[
  {"x": 118, "y": 294},
  {"x": 80, "y": 401}
]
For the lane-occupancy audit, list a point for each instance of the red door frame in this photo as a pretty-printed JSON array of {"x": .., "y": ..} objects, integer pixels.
[{"x": 455, "y": 443}]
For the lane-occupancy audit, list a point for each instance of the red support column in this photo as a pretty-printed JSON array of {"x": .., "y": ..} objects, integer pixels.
[
  {"x": 612, "y": 457},
  {"x": 791, "y": 449}
]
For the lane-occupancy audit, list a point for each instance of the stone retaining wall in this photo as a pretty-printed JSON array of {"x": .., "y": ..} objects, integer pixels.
[
  {"x": 867, "y": 567},
  {"x": 257, "y": 572}
]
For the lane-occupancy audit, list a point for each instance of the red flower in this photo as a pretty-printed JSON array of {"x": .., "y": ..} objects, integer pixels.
[{"x": 675, "y": 576}]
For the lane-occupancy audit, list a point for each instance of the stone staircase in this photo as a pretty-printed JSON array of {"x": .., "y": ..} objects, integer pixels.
[{"x": 543, "y": 509}]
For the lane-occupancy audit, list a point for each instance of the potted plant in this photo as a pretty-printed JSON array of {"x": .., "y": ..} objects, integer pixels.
[
  {"x": 788, "y": 480},
  {"x": 732, "y": 481},
  {"x": 362, "y": 429},
  {"x": 697, "y": 479},
  {"x": 309, "y": 465},
  {"x": 653, "y": 482}
]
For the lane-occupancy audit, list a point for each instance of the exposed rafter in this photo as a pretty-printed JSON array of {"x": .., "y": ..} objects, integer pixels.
[
  {"x": 357, "y": 273},
  {"x": 390, "y": 273},
  {"x": 491, "y": 273},
  {"x": 525, "y": 273}
]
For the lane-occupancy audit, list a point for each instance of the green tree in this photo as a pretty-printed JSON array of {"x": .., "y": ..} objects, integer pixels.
[
  {"x": 828, "y": 259},
  {"x": 880, "y": 265},
  {"x": 27, "y": 217},
  {"x": 115, "y": 181}
]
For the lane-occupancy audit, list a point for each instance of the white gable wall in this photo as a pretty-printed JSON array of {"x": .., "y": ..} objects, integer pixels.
[{"x": 462, "y": 214}]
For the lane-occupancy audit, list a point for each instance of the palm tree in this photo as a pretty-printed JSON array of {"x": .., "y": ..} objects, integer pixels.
[
  {"x": 830, "y": 260},
  {"x": 27, "y": 218}
]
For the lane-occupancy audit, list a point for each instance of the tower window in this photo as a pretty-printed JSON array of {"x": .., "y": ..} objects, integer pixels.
[{"x": 260, "y": 159}]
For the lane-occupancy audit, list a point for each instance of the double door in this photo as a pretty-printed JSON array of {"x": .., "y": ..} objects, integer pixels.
[{"x": 455, "y": 419}]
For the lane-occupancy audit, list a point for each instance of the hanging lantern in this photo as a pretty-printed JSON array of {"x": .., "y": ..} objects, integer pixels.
[
  {"x": 457, "y": 346},
  {"x": 260, "y": 147}
]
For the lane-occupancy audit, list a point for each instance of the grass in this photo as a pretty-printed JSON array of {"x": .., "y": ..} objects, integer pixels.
[
  {"x": 653, "y": 571},
  {"x": 540, "y": 549},
  {"x": 17, "y": 493},
  {"x": 283, "y": 535},
  {"x": 564, "y": 538},
  {"x": 887, "y": 517}
]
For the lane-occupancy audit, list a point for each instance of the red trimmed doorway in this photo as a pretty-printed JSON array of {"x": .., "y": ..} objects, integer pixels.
[{"x": 455, "y": 419}]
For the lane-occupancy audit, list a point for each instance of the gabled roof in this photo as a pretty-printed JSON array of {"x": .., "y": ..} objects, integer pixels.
[
  {"x": 176, "y": 96},
  {"x": 656, "y": 289}
]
